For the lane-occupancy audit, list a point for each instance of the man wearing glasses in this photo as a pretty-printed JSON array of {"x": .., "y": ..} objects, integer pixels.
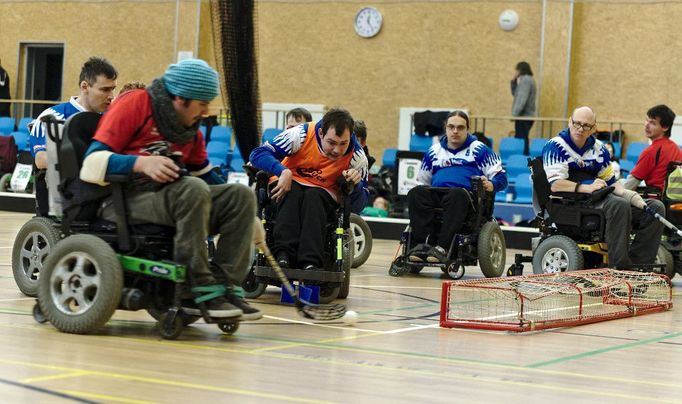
[
  {"x": 445, "y": 181},
  {"x": 652, "y": 164},
  {"x": 575, "y": 161}
]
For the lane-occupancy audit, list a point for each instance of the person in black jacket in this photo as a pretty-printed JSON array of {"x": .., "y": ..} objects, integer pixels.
[{"x": 4, "y": 92}]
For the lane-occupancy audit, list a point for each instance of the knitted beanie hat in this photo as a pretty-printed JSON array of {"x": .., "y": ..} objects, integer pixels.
[{"x": 193, "y": 79}]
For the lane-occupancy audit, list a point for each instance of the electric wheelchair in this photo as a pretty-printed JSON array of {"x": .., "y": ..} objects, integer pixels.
[
  {"x": 481, "y": 242},
  {"x": 334, "y": 280},
  {"x": 572, "y": 229},
  {"x": 83, "y": 268}
]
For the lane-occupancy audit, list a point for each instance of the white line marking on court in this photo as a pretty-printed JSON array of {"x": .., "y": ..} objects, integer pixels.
[
  {"x": 288, "y": 320},
  {"x": 394, "y": 287},
  {"x": 17, "y": 299},
  {"x": 413, "y": 328}
]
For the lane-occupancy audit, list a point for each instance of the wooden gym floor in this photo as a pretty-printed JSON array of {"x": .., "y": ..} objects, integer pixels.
[{"x": 396, "y": 353}]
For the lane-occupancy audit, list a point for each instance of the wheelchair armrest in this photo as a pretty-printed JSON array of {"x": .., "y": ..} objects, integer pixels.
[
  {"x": 117, "y": 178},
  {"x": 599, "y": 195}
]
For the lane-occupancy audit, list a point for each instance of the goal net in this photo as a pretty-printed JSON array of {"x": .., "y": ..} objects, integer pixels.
[{"x": 537, "y": 302}]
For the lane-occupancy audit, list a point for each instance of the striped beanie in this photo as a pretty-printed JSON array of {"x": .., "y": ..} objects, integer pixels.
[{"x": 193, "y": 79}]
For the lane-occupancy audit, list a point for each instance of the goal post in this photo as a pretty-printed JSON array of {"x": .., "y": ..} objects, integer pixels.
[{"x": 536, "y": 302}]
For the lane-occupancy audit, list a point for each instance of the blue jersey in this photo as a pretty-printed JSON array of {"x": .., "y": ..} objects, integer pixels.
[
  {"x": 445, "y": 167},
  {"x": 37, "y": 138},
  {"x": 563, "y": 160}
]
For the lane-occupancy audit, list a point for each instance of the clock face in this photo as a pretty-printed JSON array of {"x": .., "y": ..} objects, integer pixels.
[{"x": 368, "y": 22}]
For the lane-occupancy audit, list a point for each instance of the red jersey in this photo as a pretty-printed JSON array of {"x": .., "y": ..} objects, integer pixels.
[
  {"x": 128, "y": 127},
  {"x": 652, "y": 164}
]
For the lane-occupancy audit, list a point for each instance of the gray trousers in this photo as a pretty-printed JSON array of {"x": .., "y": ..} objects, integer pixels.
[
  {"x": 621, "y": 220},
  {"x": 197, "y": 210}
]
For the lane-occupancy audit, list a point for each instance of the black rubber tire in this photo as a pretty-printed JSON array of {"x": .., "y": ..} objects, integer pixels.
[
  {"x": 252, "y": 288},
  {"x": 156, "y": 313},
  {"x": 567, "y": 250},
  {"x": 664, "y": 256},
  {"x": 170, "y": 330},
  {"x": 362, "y": 234},
  {"x": 38, "y": 315},
  {"x": 328, "y": 294},
  {"x": 4, "y": 182},
  {"x": 61, "y": 284},
  {"x": 348, "y": 261},
  {"x": 229, "y": 327},
  {"x": 31, "y": 247},
  {"x": 492, "y": 253}
]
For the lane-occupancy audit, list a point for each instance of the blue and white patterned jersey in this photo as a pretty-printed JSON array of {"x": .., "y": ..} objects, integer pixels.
[
  {"x": 445, "y": 167},
  {"x": 37, "y": 139},
  {"x": 563, "y": 160}
]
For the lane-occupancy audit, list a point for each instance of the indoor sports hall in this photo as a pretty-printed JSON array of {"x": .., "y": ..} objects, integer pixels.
[{"x": 528, "y": 300}]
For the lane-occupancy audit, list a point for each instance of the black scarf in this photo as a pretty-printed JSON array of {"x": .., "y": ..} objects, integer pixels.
[{"x": 166, "y": 118}]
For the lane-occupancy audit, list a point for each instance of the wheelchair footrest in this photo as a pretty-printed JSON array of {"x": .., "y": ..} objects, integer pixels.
[{"x": 301, "y": 274}]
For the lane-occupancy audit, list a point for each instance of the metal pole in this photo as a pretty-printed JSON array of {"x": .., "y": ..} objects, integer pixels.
[{"x": 568, "y": 55}]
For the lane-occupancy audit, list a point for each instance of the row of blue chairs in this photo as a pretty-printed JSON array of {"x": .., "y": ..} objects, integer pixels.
[
  {"x": 222, "y": 154},
  {"x": 7, "y": 125},
  {"x": 20, "y": 138}
]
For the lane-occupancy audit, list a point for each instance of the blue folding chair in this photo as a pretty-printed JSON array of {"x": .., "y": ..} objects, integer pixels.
[
  {"x": 221, "y": 133},
  {"x": 516, "y": 164},
  {"x": 218, "y": 153},
  {"x": 420, "y": 143},
  {"x": 6, "y": 125},
  {"x": 23, "y": 124},
  {"x": 634, "y": 150},
  {"x": 21, "y": 139},
  {"x": 389, "y": 158},
  {"x": 269, "y": 134},
  {"x": 523, "y": 188},
  {"x": 509, "y": 146},
  {"x": 536, "y": 146}
]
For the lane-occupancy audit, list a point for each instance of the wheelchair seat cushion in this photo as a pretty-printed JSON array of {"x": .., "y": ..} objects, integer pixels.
[{"x": 144, "y": 229}]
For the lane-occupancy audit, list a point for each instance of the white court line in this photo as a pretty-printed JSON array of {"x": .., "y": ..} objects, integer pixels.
[
  {"x": 18, "y": 298},
  {"x": 288, "y": 320},
  {"x": 413, "y": 328},
  {"x": 394, "y": 287}
]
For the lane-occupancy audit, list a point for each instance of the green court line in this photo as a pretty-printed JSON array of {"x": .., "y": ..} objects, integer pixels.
[
  {"x": 603, "y": 350},
  {"x": 419, "y": 306}
]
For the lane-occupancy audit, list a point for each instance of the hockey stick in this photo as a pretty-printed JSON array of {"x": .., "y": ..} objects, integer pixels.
[
  {"x": 320, "y": 312},
  {"x": 663, "y": 220}
]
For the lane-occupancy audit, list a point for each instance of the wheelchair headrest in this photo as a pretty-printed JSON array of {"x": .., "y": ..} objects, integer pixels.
[
  {"x": 541, "y": 186},
  {"x": 76, "y": 138}
]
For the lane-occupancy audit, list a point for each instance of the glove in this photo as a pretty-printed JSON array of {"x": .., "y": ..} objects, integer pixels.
[{"x": 634, "y": 198}]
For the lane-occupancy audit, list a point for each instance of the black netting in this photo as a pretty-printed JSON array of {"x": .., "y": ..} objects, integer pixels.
[{"x": 234, "y": 28}]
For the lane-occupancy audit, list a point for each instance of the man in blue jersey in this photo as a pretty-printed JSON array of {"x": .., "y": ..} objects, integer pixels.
[
  {"x": 445, "y": 181},
  {"x": 575, "y": 161},
  {"x": 97, "y": 82}
]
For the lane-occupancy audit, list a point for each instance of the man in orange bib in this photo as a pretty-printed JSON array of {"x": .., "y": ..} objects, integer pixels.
[{"x": 308, "y": 159}]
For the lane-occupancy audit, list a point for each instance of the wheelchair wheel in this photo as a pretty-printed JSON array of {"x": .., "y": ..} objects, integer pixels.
[
  {"x": 362, "y": 240},
  {"x": 229, "y": 327},
  {"x": 156, "y": 313},
  {"x": 492, "y": 253},
  {"x": 328, "y": 294},
  {"x": 557, "y": 254},
  {"x": 5, "y": 181},
  {"x": 81, "y": 283},
  {"x": 252, "y": 288},
  {"x": 664, "y": 256},
  {"x": 170, "y": 328},
  {"x": 31, "y": 247},
  {"x": 348, "y": 261}
]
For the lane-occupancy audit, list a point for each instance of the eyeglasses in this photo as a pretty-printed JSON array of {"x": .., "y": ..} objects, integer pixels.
[
  {"x": 583, "y": 126},
  {"x": 453, "y": 128}
]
